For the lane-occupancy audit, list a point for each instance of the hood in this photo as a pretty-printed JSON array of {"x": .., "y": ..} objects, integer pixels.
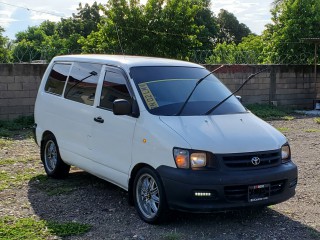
[{"x": 234, "y": 133}]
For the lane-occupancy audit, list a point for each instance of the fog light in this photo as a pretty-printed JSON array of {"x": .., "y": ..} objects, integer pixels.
[{"x": 202, "y": 194}]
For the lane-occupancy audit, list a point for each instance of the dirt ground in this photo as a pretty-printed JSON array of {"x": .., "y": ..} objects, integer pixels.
[{"x": 87, "y": 199}]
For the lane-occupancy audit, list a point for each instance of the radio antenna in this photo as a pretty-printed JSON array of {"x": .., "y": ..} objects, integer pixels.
[{"x": 119, "y": 40}]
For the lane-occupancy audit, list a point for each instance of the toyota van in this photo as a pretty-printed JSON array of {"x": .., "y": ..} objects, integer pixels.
[{"x": 167, "y": 131}]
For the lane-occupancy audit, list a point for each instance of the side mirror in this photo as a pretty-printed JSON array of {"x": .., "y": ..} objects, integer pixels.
[
  {"x": 121, "y": 107},
  {"x": 239, "y": 98}
]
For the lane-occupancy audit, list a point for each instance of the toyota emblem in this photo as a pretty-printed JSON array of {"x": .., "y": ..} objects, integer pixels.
[{"x": 255, "y": 161}]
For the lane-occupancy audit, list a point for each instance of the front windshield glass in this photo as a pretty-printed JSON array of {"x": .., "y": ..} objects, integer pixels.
[{"x": 165, "y": 89}]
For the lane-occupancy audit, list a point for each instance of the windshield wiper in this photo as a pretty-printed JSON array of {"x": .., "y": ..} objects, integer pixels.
[
  {"x": 194, "y": 88},
  {"x": 242, "y": 85}
]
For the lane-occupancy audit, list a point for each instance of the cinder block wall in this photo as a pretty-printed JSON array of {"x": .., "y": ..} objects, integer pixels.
[
  {"x": 18, "y": 89},
  {"x": 293, "y": 86}
]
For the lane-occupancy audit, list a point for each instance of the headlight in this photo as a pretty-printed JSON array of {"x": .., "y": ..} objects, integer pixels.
[
  {"x": 285, "y": 153},
  {"x": 185, "y": 158},
  {"x": 198, "y": 160}
]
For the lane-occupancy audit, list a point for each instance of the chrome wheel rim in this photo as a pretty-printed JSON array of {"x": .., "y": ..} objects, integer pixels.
[
  {"x": 147, "y": 194},
  {"x": 51, "y": 155}
]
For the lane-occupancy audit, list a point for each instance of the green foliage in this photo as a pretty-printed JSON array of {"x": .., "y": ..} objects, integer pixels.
[
  {"x": 10, "y": 127},
  {"x": 31, "y": 228},
  {"x": 76, "y": 180},
  {"x": 224, "y": 53},
  {"x": 23, "y": 228},
  {"x": 50, "y": 39},
  {"x": 269, "y": 112},
  {"x": 293, "y": 20},
  {"x": 5, "y": 54},
  {"x": 231, "y": 30},
  {"x": 283, "y": 129},
  {"x": 317, "y": 120},
  {"x": 172, "y": 29},
  {"x": 17, "y": 178},
  {"x": 67, "y": 229},
  {"x": 312, "y": 130},
  {"x": 246, "y": 52},
  {"x": 17, "y": 124},
  {"x": 172, "y": 236},
  {"x": 165, "y": 28}
]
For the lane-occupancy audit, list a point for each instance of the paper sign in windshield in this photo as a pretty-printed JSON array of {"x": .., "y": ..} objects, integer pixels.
[{"x": 148, "y": 96}]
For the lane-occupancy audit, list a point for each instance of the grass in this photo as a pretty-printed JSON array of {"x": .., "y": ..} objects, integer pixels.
[
  {"x": 283, "y": 129},
  {"x": 13, "y": 180},
  {"x": 10, "y": 161},
  {"x": 13, "y": 175},
  {"x": 311, "y": 130},
  {"x": 53, "y": 187},
  {"x": 8, "y": 128},
  {"x": 172, "y": 236},
  {"x": 317, "y": 120},
  {"x": 269, "y": 112},
  {"x": 5, "y": 143},
  {"x": 76, "y": 180},
  {"x": 31, "y": 228}
]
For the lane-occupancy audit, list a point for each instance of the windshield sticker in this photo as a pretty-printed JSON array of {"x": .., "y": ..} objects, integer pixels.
[{"x": 148, "y": 96}]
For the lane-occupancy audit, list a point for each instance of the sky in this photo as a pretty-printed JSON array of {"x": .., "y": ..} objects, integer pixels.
[{"x": 254, "y": 13}]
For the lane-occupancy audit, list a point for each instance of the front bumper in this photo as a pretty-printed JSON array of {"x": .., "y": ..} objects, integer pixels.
[{"x": 227, "y": 189}]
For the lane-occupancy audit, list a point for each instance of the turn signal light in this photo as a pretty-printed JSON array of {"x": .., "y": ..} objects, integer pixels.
[{"x": 181, "y": 158}]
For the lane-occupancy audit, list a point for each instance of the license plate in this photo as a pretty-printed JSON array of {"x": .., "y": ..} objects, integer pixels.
[{"x": 258, "y": 192}]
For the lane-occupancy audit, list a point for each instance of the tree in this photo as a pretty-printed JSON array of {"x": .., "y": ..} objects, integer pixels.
[
  {"x": 28, "y": 44},
  {"x": 49, "y": 39},
  {"x": 248, "y": 51},
  {"x": 293, "y": 20},
  {"x": 168, "y": 28},
  {"x": 4, "y": 48},
  {"x": 251, "y": 48},
  {"x": 231, "y": 30}
]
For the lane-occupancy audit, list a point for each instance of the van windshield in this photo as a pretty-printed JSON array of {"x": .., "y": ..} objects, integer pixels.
[{"x": 165, "y": 89}]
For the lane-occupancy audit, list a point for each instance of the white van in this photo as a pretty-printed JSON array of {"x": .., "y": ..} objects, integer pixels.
[{"x": 164, "y": 130}]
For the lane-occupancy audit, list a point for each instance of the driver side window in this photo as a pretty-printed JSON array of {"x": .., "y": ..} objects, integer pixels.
[{"x": 114, "y": 87}]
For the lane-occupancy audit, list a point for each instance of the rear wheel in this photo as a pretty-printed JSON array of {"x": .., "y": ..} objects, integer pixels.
[
  {"x": 50, "y": 156},
  {"x": 149, "y": 196}
]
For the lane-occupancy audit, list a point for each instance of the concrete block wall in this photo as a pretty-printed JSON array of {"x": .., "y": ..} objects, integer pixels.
[
  {"x": 18, "y": 89},
  {"x": 292, "y": 86}
]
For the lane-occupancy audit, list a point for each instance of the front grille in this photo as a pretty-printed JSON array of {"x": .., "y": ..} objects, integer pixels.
[
  {"x": 244, "y": 160},
  {"x": 240, "y": 193}
]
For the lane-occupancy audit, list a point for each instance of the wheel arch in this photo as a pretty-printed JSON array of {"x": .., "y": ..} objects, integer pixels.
[{"x": 45, "y": 134}]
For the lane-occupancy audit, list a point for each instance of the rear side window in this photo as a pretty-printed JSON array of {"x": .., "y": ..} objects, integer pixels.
[
  {"x": 114, "y": 87},
  {"x": 82, "y": 82},
  {"x": 57, "y": 78}
]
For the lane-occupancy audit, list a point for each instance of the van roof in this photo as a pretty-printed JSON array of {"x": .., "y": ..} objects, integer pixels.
[{"x": 125, "y": 61}]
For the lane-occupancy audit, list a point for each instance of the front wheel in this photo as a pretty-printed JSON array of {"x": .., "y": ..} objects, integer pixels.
[
  {"x": 50, "y": 156},
  {"x": 149, "y": 196}
]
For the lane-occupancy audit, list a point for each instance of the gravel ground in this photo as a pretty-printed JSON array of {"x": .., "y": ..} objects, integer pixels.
[{"x": 86, "y": 199}]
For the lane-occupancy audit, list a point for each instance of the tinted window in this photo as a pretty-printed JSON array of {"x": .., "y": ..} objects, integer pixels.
[
  {"x": 82, "y": 82},
  {"x": 57, "y": 78},
  {"x": 165, "y": 89},
  {"x": 114, "y": 87}
]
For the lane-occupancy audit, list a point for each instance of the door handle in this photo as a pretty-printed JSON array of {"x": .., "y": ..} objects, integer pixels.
[{"x": 99, "y": 119}]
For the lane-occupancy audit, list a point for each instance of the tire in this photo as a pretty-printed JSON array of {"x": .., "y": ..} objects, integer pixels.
[
  {"x": 149, "y": 196},
  {"x": 51, "y": 159}
]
